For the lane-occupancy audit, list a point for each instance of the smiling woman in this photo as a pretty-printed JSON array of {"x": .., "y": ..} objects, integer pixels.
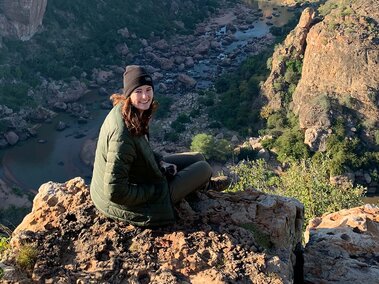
[
  {"x": 142, "y": 97},
  {"x": 130, "y": 182}
]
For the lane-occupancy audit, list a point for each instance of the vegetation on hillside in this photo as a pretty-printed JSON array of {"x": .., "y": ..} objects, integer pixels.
[
  {"x": 307, "y": 180},
  {"x": 80, "y": 36},
  {"x": 236, "y": 100},
  {"x": 4, "y": 244},
  {"x": 211, "y": 148}
]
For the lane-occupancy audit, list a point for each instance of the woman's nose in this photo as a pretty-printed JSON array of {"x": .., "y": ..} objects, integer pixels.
[{"x": 145, "y": 94}]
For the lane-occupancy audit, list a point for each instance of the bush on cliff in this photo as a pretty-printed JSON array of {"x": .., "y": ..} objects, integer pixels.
[
  {"x": 211, "y": 148},
  {"x": 4, "y": 244},
  {"x": 306, "y": 180}
]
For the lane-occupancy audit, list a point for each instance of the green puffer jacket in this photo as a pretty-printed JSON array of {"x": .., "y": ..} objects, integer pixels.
[{"x": 127, "y": 184}]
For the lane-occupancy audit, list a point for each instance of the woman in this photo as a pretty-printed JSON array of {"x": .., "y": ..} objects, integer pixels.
[{"x": 128, "y": 181}]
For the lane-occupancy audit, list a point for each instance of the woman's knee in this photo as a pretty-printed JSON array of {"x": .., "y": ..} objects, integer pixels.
[
  {"x": 198, "y": 156},
  {"x": 205, "y": 169}
]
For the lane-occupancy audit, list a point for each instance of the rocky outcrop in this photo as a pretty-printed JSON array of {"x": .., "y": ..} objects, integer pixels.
[
  {"x": 339, "y": 75},
  {"x": 343, "y": 247},
  {"x": 339, "y": 58},
  {"x": 21, "y": 19},
  {"x": 291, "y": 49},
  {"x": 245, "y": 237}
]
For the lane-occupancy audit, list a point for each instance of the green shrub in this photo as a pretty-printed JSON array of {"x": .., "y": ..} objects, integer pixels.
[
  {"x": 373, "y": 96},
  {"x": 309, "y": 182},
  {"x": 183, "y": 118},
  {"x": 215, "y": 124},
  {"x": 206, "y": 100},
  {"x": 293, "y": 71},
  {"x": 290, "y": 146},
  {"x": 276, "y": 121},
  {"x": 327, "y": 8},
  {"x": 278, "y": 84},
  {"x": 4, "y": 244},
  {"x": 27, "y": 257},
  {"x": 218, "y": 150},
  {"x": 222, "y": 84},
  {"x": 305, "y": 180},
  {"x": 164, "y": 104},
  {"x": 323, "y": 101},
  {"x": 17, "y": 191},
  {"x": 171, "y": 136},
  {"x": 343, "y": 7},
  {"x": 343, "y": 152},
  {"x": 376, "y": 135},
  {"x": 178, "y": 126},
  {"x": 195, "y": 112},
  {"x": 246, "y": 153},
  {"x": 253, "y": 174}
]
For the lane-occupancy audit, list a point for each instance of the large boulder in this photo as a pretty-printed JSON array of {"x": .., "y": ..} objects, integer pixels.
[
  {"x": 343, "y": 247},
  {"x": 11, "y": 137},
  {"x": 244, "y": 237},
  {"x": 186, "y": 80}
]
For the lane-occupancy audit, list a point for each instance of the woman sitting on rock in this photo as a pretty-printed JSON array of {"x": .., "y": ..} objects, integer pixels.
[{"x": 129, "y": 181}]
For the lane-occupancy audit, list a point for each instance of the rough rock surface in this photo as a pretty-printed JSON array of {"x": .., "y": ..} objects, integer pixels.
[
  {"x": 246, "y": 237},
  {"x": 292, "y": 49},
  {"x": 339, "y": 74},
  {"x": 21, "y": 19},
  {"x": 343, "y": 247},
  {"x": 340, "y": 58}
]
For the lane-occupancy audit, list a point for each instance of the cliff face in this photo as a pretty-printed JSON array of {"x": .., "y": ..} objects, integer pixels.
[
  {"x": 339, "y": 74},
  {"x": 21, "y": 19},
  {"x": 291, "y": 49},
  {"x": 246, "y": 237},
  {"x": 340, "y": 58}
]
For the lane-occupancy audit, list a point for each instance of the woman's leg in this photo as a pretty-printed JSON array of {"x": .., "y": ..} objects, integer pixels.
[
  {"x": 193, "y": 173},
  {"x": 183, "y": 160}
]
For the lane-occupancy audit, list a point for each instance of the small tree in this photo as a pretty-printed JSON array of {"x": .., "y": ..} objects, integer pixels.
[{"x": 211, "y": 148}]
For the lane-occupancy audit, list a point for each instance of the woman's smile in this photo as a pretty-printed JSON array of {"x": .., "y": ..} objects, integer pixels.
[{"x": 142, "y": 97}]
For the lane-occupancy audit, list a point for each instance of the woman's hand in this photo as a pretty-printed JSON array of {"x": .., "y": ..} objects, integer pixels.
[{"x": 168, "y": 169}]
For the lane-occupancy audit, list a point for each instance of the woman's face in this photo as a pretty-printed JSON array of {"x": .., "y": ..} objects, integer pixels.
[{"x": 142, "y": 97}]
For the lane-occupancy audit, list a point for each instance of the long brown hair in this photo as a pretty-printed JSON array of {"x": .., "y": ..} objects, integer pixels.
[{"x": 137, "y": 123}]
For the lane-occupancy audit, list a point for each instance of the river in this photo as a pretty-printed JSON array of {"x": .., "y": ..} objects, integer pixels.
[
  {"x": 53, "y": 155},
  {"x": 31, "y": 163}
]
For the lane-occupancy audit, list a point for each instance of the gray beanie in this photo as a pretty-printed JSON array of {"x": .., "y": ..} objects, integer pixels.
[{"x": 134, "y": 77}]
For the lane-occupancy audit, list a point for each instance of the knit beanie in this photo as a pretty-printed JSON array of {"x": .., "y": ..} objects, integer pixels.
[{"x": 134, "y": 77}]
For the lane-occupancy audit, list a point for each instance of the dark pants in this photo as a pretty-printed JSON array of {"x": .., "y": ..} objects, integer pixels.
[{"x": 193, "y": 174}]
